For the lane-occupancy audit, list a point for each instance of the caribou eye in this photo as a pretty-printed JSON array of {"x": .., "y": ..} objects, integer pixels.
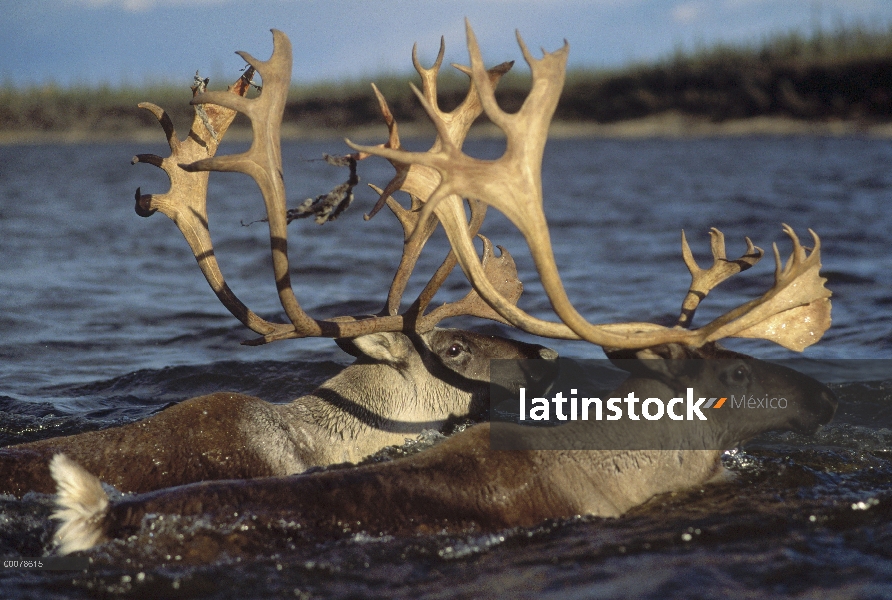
[
  {"x": 454, "y": 350},
  {"x": 740, "y": 374}
]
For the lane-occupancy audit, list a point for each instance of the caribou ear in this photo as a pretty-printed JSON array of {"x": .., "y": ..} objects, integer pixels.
[
  {"x": 664, "y": 360},
  {"x": 386, "y": 347}
]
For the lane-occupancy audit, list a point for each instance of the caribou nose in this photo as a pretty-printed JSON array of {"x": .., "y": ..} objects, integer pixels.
[
  {"x": 548, "y": 353},
  {"x": 539, "y": 374},
  {"x": 821, "y": 407}
]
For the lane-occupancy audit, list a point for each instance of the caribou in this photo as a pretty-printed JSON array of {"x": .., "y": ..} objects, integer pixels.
[
  {"x": 397, "y": 388},
  {"x": 409, "y": 375},
  {"x": 463, "y": 483}
]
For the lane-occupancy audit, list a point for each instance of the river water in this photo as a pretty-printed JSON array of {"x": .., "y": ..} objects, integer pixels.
[{"x": 106, "y": 319}]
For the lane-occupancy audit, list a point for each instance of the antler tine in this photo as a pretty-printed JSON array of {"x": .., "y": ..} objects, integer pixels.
[
  {"x": 704, "y": 280},
  {"x": 173, "y": 142},
  {"x": 429, "y": 76},
  {"x": 393, "y": 141},
  {"x": 429, "y": 94},
  {"x": 186, "y": 201}
]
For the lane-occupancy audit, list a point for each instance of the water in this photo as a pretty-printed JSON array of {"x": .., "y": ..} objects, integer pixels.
[{"x": 106, "y": 319}]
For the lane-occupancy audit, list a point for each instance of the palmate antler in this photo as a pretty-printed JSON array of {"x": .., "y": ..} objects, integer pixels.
[
  {"x": 185, "y": 204},
  {"x": 794, "y": 312}
]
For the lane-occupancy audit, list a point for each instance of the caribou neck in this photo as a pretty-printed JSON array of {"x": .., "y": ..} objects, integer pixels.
[{"x": 386, "y": 414}]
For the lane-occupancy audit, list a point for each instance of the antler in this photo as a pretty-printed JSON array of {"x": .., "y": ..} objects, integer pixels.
[
  {"x": 420, "y": 181},
  {"x": 186, "y": 201},
  {"x": 512, "y": 184},
  {"x": 794, "y": 312},
  {"x": 185, "y": 204}
]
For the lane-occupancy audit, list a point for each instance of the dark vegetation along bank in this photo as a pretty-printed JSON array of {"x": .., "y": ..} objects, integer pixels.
[{"x": 843, "y": 76}]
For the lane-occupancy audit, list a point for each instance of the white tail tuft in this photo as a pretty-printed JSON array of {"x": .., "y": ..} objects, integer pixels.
[{"x": 82, "y": 505}]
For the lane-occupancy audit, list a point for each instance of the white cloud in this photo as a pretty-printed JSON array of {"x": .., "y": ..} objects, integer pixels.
[
  {"x": 735, "y": 4},
  {"x": 687, "y": 12},
  {"x": 142, "y": 5}
]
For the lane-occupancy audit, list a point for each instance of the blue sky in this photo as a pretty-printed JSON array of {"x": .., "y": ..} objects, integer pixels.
[{"x": 139, "y": 41}]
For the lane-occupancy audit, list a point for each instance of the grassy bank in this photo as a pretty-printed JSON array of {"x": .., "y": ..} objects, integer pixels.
[{"x": 828, "y": 82}]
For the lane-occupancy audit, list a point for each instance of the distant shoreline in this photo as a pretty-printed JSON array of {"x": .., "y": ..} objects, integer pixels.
[
  {"x": 829, "y": 83},
  {"x": 669, "y": 125}
]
